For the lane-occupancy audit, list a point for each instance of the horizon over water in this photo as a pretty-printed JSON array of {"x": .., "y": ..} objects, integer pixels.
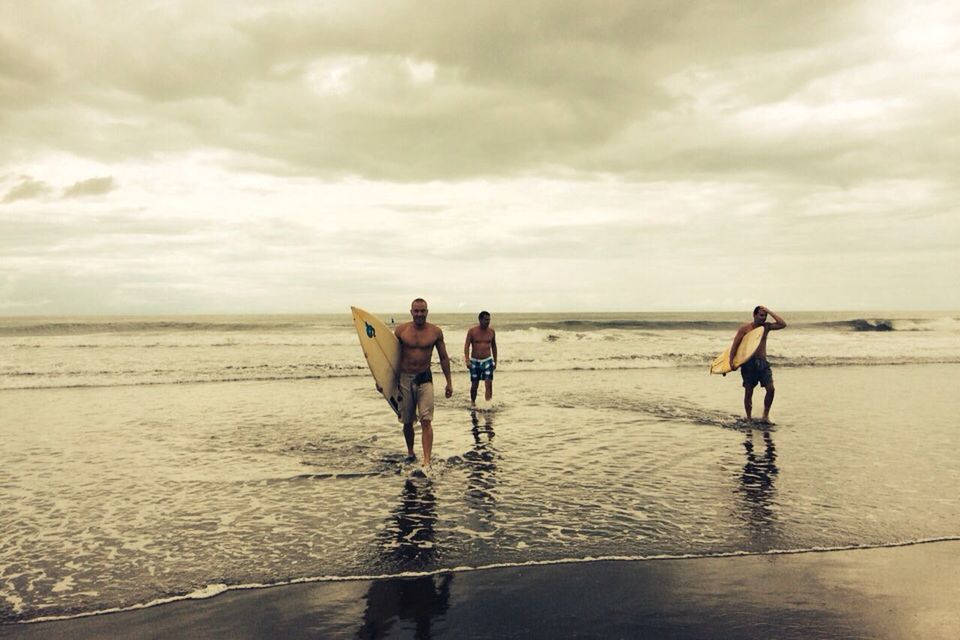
[
  {"x": 155, "y": 458},
  {"x": 405, "y": 313}
]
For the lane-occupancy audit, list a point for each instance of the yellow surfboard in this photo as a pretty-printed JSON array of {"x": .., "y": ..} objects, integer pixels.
[
  {"x": 381, "y": 348},
  {"x": 748, "y": 346}
]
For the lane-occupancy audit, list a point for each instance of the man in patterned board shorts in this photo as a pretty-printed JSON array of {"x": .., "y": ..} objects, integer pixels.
[
  {"x": 757, "y": 370},
  {"x": 480, "y": 356}
]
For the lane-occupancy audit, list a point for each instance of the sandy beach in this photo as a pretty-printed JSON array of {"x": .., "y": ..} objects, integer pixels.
[{"x": 896, "y": 593}]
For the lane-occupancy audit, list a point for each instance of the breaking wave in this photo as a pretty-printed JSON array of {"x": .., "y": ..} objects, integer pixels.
[
  {"x": 25, "y": 327},
  {"x": 48, "y": 327},
  {"x": 581, "y": 326}
]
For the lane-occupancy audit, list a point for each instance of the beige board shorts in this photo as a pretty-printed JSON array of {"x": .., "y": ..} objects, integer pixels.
[{"x": 417, "y": 398}]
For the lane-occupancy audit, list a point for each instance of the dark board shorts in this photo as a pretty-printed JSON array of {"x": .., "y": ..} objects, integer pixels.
[{"x": 756, "y": 371}]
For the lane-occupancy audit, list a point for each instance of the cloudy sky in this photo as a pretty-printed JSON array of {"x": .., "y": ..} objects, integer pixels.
[{"x": 231, "y": 157}]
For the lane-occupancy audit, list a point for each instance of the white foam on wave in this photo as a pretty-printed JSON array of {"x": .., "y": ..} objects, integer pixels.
[
  {"x": 63, "y": 585},
  {"x": 110, "y": 383},
  {"x": 16, "y": 602},
  {"x": 215, "y": 589},
  {"x": 946, "y": 325},
  {"x": 536, "y": 335}
]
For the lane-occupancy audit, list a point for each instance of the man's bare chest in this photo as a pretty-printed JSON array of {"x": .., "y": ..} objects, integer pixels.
[
  {"x": 417, "y": 340},
  {"x": 482, "y": 337}
]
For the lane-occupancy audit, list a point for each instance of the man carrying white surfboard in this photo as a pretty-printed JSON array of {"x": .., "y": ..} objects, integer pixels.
[
  {"x": 417, "y": 342},
  {"x": 757, "y": 369}
]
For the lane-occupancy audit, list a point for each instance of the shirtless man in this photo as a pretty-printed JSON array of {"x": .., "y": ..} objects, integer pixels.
[
  {"x": 481, "y": 363},
  {"x": 757, "y": 369},
  {"x": 417, "y": 341}
]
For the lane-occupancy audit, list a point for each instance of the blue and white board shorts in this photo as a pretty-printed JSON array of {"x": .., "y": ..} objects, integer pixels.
[{"x": 481, "y": 369}]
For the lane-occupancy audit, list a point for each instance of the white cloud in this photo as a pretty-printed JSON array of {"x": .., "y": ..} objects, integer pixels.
[{"x": 304, "y": 156}]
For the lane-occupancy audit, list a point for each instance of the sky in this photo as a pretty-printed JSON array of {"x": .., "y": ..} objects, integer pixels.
[{"x": 301, "y": 157}]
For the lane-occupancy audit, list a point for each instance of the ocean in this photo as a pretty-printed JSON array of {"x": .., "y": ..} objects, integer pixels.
[{"x": 152, "y": 459}]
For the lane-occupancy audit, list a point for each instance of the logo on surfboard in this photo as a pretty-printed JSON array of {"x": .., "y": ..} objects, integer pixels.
[{"x": 371, "y": 332}]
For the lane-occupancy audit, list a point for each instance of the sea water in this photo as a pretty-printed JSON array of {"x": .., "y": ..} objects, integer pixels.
[{"x": 150, "y": 459}]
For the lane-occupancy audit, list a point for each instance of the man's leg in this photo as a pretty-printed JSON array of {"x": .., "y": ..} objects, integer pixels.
[
  {"x": 768, "y": 402},
  {"x": 425, "y": 410},
  {"x": 489, "y": 389},
  {"x": 473, "y": 391},
  {"x": 427, "y": 437},
  {"x": 408, "y": 436},
  {"x": 748, "y": 401},
  {"x": 408, "y": 407}
]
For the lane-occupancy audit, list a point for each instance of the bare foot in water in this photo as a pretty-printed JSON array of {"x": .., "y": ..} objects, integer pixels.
[{"x": 767, "y": 422}]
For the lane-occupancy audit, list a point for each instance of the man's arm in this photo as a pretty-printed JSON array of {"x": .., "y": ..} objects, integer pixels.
[
  {"x": 779, "y": 323},
  {"x": 444, "y": 362},
  {"x": 493, "y": 346},
  {"x": 466, "y": 347}
]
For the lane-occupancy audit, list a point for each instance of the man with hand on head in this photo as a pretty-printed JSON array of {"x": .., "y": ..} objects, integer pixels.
[
  {"x": 757, "y": 369},
  {"x": 417, "y": 342}
]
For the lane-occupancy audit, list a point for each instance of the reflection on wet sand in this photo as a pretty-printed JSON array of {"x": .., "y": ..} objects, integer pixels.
[
  {"x": 408, "y": 544},
  {"x": 407, "y": 540},
  {"x": 481, "y": 464},
  {"x": 756, "y": 483},
  {"x": 406, "y": 603}
]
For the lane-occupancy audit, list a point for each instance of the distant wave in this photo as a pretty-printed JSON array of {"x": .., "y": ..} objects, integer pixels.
[
  {"x": 187, "y": 345},
  {"x": 861, "y": 324},
  {"x": 109, "y": 380},
  {"x": 69, "y": 328},
  {"x": 944, "y": 324},
  {"x": 216, "y": 589},
  {"x": 628, "y": 362},
  {"x": 854, "y": 324},
  {"x": 626, "y": 325},
  {"x": 11, "y": 327}
]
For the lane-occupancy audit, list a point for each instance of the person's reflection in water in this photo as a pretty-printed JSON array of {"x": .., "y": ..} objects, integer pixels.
[
  {"x": 407, "y": 542},
  {"x": 756, "y": 482},
  {"x": 481, "y": 464},
  {"x": 407, "y": 545}
]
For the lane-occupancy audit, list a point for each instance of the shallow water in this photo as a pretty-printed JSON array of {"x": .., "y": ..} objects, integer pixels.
[{"x": 121, "y": 495}]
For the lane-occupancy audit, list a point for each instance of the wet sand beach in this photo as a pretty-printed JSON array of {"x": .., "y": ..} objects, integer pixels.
[
  {"x": 148, "y": 467},
  {"x": 897, "y": 593}
]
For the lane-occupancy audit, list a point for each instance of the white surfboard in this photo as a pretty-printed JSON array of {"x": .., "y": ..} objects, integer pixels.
[
  {"x": 748, "y": 346},
  {"x": 382, "y": 351}
]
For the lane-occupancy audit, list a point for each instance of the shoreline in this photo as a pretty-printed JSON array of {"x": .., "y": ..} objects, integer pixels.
[
  {"x": 903, "y": 591},
  {"x": 216, "y": 590}
]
